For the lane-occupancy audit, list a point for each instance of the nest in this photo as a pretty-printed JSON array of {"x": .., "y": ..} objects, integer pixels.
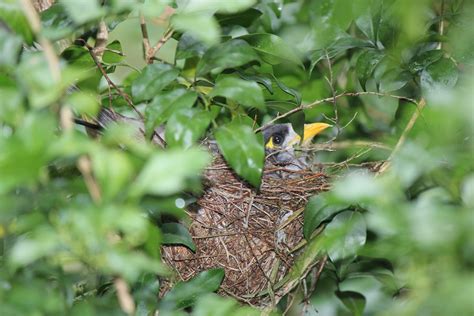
[{"x": 254, "y": 236}]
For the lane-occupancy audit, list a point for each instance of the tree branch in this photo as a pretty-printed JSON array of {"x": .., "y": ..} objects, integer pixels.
[
  {"x": 331, "y": 99},
  {"x": 385, "y": 165}
]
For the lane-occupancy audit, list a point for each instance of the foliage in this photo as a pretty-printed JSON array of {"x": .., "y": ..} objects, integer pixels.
[{"x": 78, "y": 216}]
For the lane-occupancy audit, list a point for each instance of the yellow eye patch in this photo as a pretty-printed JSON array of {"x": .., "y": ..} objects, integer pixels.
[{"x": 270, "y": 144}]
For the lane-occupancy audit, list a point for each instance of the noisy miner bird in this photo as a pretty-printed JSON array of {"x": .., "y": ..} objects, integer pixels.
[{"x": 280, "y": 139}]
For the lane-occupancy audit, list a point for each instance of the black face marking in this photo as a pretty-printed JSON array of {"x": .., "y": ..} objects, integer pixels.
[
  {"x": 277, "y": 139},
  {"x": 277, "y": 132}
]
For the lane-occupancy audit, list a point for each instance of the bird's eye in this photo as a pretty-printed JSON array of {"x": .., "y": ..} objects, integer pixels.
[{"x": 277, "y": 140}]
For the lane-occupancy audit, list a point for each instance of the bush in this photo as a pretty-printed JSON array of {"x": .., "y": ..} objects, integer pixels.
[{"x": 80, "y": 219}]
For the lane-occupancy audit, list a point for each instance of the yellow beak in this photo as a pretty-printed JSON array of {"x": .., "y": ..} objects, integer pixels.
[{"x": 311, "y": 130}]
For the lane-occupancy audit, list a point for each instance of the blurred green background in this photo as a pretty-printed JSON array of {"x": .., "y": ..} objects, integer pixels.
[{"x": 79, "y": 218}]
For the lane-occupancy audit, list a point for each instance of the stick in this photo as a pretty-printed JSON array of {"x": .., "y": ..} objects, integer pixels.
[{"x": 331, "y": 99}]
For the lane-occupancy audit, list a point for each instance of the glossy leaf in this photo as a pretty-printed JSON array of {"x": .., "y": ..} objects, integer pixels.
[
  {"x": 113, "y": 53},
  {"x": 167, "y": 172},
  {"x": 366, "y": 64},
  {"x": 230, "y": 54},
  {"x": 245, "y": 18},
  {"x": 354, "y": 301},
  {"x": 294, "y": 93},
  {"x": 164, "y": 105},
  {"x": 346, "y": 233},
  {"x": 247, "y": 93},
  {"x": 337, "y": 47},
  {"x": 177, "y": 234},
  {"x": 189, "y": 46},
  {"x": 420, "y": 62},
  {"x": 186, "y": 126},
  {"x": 271, "y": 48},
  {"x": 184, "y": 294},
  {"x": 442, "y": 73},
  {"x": 243, "y": 150},
  {"x": 152, "y": 80},
  {"x": 319, "y": 209}
]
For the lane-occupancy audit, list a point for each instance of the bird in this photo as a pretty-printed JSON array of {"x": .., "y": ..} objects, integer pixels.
[{"x": 280, "y": 139}]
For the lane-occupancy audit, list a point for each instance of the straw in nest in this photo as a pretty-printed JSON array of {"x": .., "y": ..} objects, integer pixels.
[{"x": 252, "y": 235}]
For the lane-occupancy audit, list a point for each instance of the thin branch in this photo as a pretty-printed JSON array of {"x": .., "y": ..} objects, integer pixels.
[
  {"x": 330, "y": 81},
  {"x": 441, "y": 25},
  {"x": 404, "y": 136},
  {"x": 150, "y": 51},
  {"x": 331, "y": 99},
  {"x": 145, "y": 38},
  {"x": 125, "y": 96},
  {"x": 101, "y": 40},
  {"x": 124, "y": 297}
]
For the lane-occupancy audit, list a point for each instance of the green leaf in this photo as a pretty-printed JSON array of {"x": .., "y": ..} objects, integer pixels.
[
  {"x": 83, "y": 102},
  {"x": 420, "y": 62},
  {"x": 202, "y": 26},
  {"x": 177, "y": 234},
  {"x": 394, "y": 80},
  {"x": 271, "y": 48},
  {"x": 39, "y": 244},
  {"x": 11, "y": 14},
  {"x": 247, "y": 93},
  {"x": 243, "y": 150},
  {"x": 10, "y": 46},
  {"x": 261, "y": 79},
  {"x": 11, "y": 102},
  {"x": 320, "y": 208},
  {"x": 230, "y": 54},
  {"x": 189, "y": 46},
  {"x": 337, "y": 47},
  {"x": 184, "y": 294},
  {"x": 152, "y": 80},
  {"x": 216, "y": 305},
  {"x": 346, "y": 233},
  {"x": 186, "y": 126},
  {"x": 366, "y": 64},
  {"x": 168, "y": 172},
  {"x": 83, "y": 11},
  {"x": 113, "y": 170},
  {"x": 164, "y": 105},
  {"x": 354, "y": 301},
  {"x": 25, "y": 153},
  {"x": 56, "y": 23},
  {"x": 294, "y": 93},
  {"x": 113, "y": 53},
  {"x": 245, "y": 18},
  {"x": 441, "y": 74},
  {"x": 216, "y": 6}
]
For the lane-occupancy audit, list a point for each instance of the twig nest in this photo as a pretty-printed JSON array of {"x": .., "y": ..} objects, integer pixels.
[{"x": 253, "y": 236}]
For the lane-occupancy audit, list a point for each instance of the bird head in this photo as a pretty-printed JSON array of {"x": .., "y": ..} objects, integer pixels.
[{"x": 280, "y": 140}]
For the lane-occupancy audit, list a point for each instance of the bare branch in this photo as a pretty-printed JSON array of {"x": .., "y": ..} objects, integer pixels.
[
  {"x": 124, "y": 297},
  {"x": 331, "y": 99},
  {"x": 404, "y": 135}
]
